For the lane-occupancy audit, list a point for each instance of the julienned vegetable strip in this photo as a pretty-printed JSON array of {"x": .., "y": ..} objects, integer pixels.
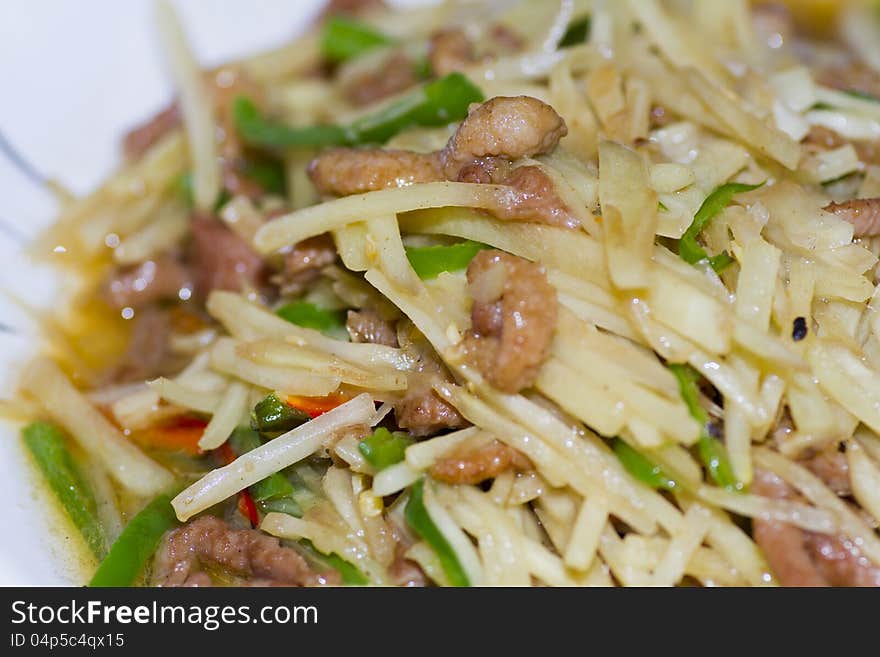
[
  {"x": 136, "y": 544},
  {"x": 712, "y": 451},
  {"x": 420, "y": 521},
  {"x": 268, "y": 174},
  {"x": 431, "y": 261},
  {"x": 308, "y": 315},
  {"x": 642, "y": 468},
  {"x": 343, "y": 39},
  {"x": 257, "y": 130},
  {"x": 577, "y": 32},
  {"x": 276, "y": 485},
  {"x": 688, "y": 248},
  {"x": 286, "y": 505},
  {"x": 46, "y": 444},
  {"x": 351, "y": 574},
  {"x": 437, "y": 103},
  {"x": 273, "y": 415},
  {"x": 383, "y": 448},
  {"x": 855, "y": 93}
]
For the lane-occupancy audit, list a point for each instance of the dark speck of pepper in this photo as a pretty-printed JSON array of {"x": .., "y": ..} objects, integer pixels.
[{"x": 799, "y": 329}]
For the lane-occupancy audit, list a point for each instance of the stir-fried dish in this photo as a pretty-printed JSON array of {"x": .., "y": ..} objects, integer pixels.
[{"x": 560, "y": 292}]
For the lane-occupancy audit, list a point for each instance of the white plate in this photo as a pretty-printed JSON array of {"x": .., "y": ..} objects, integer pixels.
[{"x": 75, "y": 76}]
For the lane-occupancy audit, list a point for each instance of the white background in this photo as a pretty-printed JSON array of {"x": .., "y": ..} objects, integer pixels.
[{"x": 74, "y": 74}]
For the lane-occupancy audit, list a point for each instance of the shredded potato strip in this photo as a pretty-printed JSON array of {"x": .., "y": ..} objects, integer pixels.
[
  {"x": 275, "y": 455},
  {"x": 629, "y": 209},
  {"x": 197, "y": 107},
  {"x": 308, "y": 222},
  {"x": 125, "y": 463}
]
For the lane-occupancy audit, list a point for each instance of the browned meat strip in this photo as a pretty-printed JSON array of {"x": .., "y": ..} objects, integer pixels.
[
  {"x": 506, "y": 127},
  {"x": 350, "y": 6},
  {"x": 506, "y": 39},
  {"x": 153, "y": 280},
  {"x": 147, "y": 355},
  {"x": 841, "y": 562},
  {"x": 489, "y": 170},
  {"x": 220, "y": 259},
  {"x": 423, "y": 412},
  {"x": 141, "y": 138},
  {"x": 246, "y": 553},
  {"x": 789, "y": 559},
  {"x": 782, "y": 544},
  {"x": 821, "y": 138},
  {"x": 420, "y": 411},
  {"x": 405, "y": 572},
  {"x": 513, "y": 318},
  {"x": 485, "y": 463},
  {"x": 496, "y": 132},
  {"x": 303, "y": 264},
  {"x": 396, "y": 74},
  {"x": 831, "y": 467},
  {"x": 198, "y": 580},
  {"x": 801, "y": 558},
  {"x": 536, "y": 200},
  {"x": 367, "y": 326},
  {"x": 862, "y": 213},
  {"x": 346, "y": 171},
  {"x": 450, "y": 50},
  {"x": 854, "y": 76}
]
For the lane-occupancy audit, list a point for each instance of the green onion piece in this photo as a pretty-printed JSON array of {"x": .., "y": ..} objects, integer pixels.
[
  {"x": 662, "y": 207},
  {"x": 273, "y": 415},
  {"x": 712, "y": 451},
  {"x": 46, "y": 444},
  {"x": 343, "y": 39},
  {"x": 308, "y": 315},
  {"x": 431, "y": 261},
  {"x": 720, "y": 262},
  {"x": 136, "y": 544},
  {"x": 418, "y": 518},
  {"x": 275, "y": 486},
  {"x": 687, "y": 379},
  {"x": 437, "y": 103},
  {"x": 286, "y": 505},
  {"x": 855, "y": 93},
  {"x": 257, "y": 130},
  {"x": 688, "y": 248},
  {"x": 578, "y": 31},
  {"x": 268, "y": 174},
  {"x": 351, "y": 574},
  {"x": 642, "y": 468},
  {"x": 714, "y": 456},
  {"x": 383, "y": 448},
  {"x": 242, "y": 441}
]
